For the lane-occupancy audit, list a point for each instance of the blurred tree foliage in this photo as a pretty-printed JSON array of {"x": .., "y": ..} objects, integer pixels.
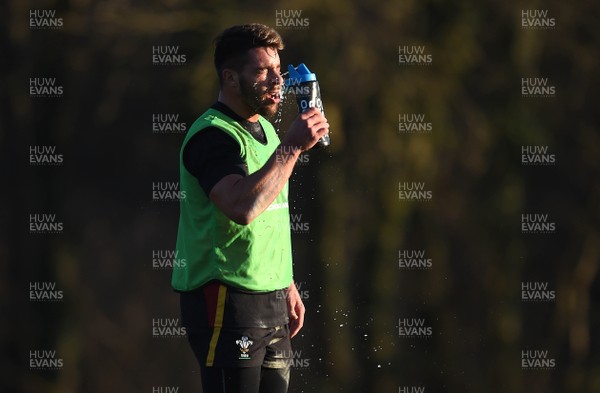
[{"x": 348, "y": 262}]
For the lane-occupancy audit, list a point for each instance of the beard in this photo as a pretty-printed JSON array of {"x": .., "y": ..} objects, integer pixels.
[{"x": 258, "y": 98}]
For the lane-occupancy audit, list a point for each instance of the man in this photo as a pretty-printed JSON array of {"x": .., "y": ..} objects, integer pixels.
[{"x": 239, "y": 304}]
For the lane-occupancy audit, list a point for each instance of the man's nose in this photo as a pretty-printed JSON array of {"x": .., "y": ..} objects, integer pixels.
[{"x": 276, "y": 78}]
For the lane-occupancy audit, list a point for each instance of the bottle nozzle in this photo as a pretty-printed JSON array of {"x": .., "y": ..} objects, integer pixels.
[{"x": 299, "y": 74}]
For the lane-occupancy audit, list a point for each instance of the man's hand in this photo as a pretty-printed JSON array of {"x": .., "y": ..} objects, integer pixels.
[
  {"x": 242, "y": 199},
  {"x": 295, "y": 310},
  {"x": 306, "y": 130}
]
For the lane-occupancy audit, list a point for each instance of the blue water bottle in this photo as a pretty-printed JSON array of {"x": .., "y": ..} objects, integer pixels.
[{"x": 306, "y": 88}]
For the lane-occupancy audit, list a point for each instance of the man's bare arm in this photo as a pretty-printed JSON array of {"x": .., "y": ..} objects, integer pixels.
[{"x": 241, "y": 198}]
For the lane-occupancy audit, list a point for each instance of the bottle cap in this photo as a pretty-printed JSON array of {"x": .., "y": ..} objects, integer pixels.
[{"x": 299, "y": 74}]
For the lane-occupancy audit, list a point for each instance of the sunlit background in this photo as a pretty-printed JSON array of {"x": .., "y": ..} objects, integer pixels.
[{"x": 355, "y": 227}]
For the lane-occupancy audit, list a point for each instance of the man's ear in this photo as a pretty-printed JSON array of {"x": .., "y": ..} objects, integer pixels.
[{"x": 230, "y": 78}]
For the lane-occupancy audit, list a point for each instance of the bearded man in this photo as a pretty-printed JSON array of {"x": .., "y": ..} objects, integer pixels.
[{"x": 239, "y": 303}]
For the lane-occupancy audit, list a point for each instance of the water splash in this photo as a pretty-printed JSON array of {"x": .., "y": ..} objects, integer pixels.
[{"x": 287, "y": 106}]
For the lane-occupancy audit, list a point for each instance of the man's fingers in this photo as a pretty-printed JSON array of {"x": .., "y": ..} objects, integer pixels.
[
  {"x": 293, "y": 314},
  {"x": 312, "y": 117},
  {"x": 293, "y": 328},
  {"x": 296, "y": 325},
  {"x": 319, "y": 127},
  {"x": 310, "y": 112},
  {"x": 323, "y": 128},
  {"x": 300, "y": 320}
]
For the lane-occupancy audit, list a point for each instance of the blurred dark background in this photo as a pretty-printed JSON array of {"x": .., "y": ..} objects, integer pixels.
[{"x": 346, "y": 197}]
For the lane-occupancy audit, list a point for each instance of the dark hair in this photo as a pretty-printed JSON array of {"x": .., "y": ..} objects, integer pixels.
[{"x": 232, "y": 44}]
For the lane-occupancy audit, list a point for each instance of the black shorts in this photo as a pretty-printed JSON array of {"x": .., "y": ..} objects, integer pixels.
[
  {"x": 242, "y": 347},
  {"x": 228, "y": 327}
]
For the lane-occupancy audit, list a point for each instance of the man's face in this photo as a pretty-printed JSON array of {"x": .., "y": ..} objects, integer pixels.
[{"x": 260, "y": 81}]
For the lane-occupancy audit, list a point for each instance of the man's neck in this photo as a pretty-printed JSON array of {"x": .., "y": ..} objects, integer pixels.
[{"x": 239, "y": 108}]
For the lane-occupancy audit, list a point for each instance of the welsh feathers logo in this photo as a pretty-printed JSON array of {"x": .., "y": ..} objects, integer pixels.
[{"x": 244, "y": 343}]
